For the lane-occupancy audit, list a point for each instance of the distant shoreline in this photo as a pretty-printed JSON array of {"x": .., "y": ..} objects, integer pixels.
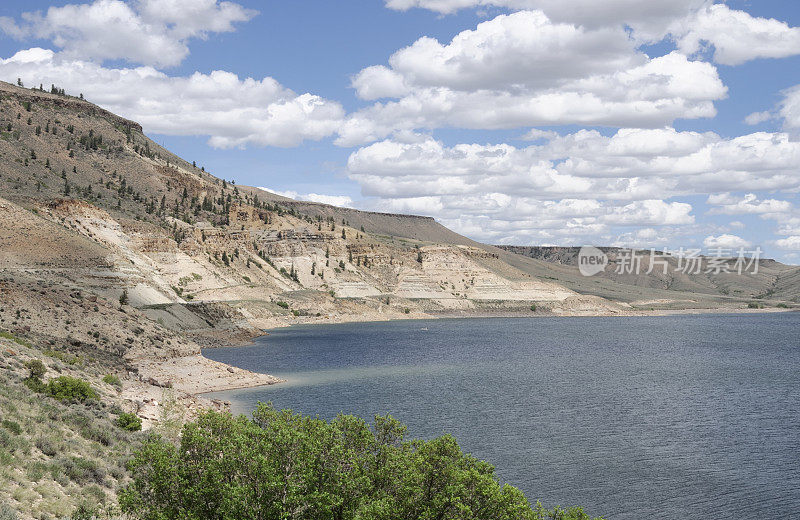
[
  {"x": 247, "y": 379},
  {"x": 284, "y": 323}
]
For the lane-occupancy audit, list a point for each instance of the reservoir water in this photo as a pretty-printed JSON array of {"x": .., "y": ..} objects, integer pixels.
[{"x": 676, "y": 417}]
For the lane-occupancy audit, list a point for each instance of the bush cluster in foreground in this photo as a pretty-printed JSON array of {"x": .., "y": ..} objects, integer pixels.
[{"x": 284, "y": 466}]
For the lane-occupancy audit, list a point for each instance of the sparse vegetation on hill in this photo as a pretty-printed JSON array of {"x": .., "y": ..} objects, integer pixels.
[{"x": 60, "y": 451}]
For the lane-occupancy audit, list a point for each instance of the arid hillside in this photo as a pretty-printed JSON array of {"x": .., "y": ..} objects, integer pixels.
[
  {"x": 86, "y": 197},
  {"x": 705, "y": 282},
  {"x": 113, "y": 248},
  {"x": 172, "y": 234}
]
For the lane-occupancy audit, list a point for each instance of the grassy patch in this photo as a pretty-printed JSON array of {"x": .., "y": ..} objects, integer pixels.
[
  {"x": 66, "y": 357},
  {"x": 19, "y": 341},
  {"x": 111, "y": 379},
  {"x": 56, "y": 455}
]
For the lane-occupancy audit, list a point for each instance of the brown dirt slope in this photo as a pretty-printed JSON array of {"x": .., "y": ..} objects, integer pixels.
[{"x": 27, "y": 240}]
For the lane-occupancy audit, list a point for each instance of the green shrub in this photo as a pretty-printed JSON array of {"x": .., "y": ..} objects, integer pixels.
[
  {"x": 35, "y": 384},
  {"x": 283, "y": 305},
  {"x": 47, "y": 445},
  {"x": 533, "y": 307},
  {"x": 85, "y": 512},
  {"x": 70, "y": 388},
  {"x": 234, "y": 467},
  {"x": 36, "y": 368},
  {"x": 112, "y": 380},
  {"x": 85, "y": 424},
  {"x": 82, "y": 471},
  {"x": 6, "y": 513},
  {"x": 129, "y": 422},
  {"x": 12, "y": 426},
  {"x": 36, "y": 470}
]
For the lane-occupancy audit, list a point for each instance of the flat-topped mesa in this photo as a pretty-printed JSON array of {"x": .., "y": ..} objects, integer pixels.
[
  {"x": 68, "y": 102},
  {"x": 414, "y": 227}
]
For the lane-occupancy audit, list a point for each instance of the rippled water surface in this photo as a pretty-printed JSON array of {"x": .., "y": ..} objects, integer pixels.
[{"x": 665, "y": 417}]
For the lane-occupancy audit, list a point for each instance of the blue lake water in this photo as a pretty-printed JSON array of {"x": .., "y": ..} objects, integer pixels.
[{"x": 642, "y": 417}]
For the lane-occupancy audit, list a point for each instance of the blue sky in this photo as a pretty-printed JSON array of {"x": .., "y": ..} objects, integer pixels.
[{"x": 639, "y": 109}]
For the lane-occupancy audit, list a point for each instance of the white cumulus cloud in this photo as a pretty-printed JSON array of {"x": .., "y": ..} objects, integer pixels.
[
  {"x": 789, "y": 108},
  {"x": 758, "y": 117},
  {"x": 736, "y": 36},
  {"x": 148, "y": 32},
  {"x": 726, "y": 204},
  {"x": 582, "y": 184},
  {"x": 650, "y": 19},
  {"x": 522, "y": 69},
  {"x": 725, "y": 242},
  {"x": 791, "y": 243},
  {"x": 633, "y": 164}
]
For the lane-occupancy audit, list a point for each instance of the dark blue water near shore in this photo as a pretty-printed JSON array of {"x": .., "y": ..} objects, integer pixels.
[{"x": 678, "y": 417}]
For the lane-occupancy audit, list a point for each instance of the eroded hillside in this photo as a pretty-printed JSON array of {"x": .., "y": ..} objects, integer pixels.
[
  {"x": 175, "y": 235},
  {"x": 110, "y": 244}
]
